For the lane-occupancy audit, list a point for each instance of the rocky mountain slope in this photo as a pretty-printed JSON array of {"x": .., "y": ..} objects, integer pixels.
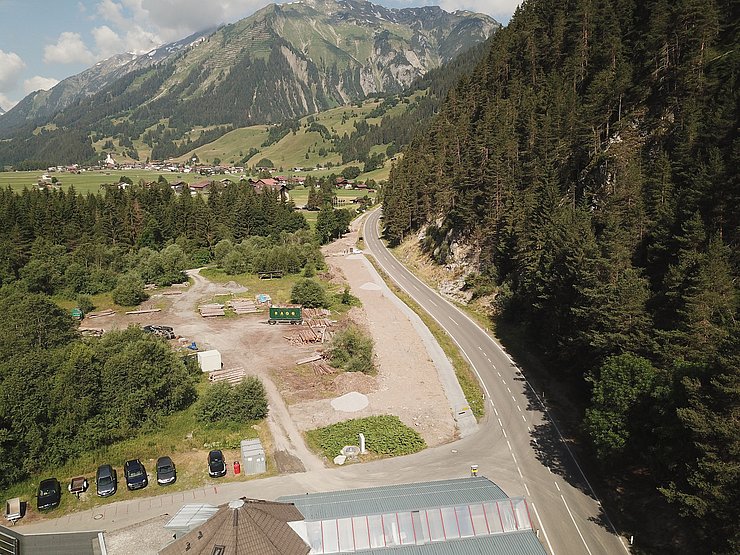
[{"x": 283, "y": 62}]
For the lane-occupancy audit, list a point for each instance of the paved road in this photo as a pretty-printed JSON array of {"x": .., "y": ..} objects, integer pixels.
[{"x": 569, "y": 514}]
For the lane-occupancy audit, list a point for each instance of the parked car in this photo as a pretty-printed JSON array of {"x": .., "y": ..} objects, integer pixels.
[
  {"x": 49, "y": 494},
  {"x": 216, "y": 464},
  {"x": 106, "y": 480},
  {"x": 166, "y": 472},
  {"x": 135, "y": 474}
]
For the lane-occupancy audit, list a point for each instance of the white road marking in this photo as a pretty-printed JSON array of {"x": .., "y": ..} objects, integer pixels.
[
  {"x": 509, "y": 444},
  {"x": 500, "y": 423},
  {"x": 542, "y": 526},
  {"x": 494, "y": 409},
  {"x": 512, "y": 398},
  {"x": 499, "y": 374},
  {"x": 431, "y": 301},
  {"x": 576, "y": 525},
  {"x": 557, "y": 486},
  {"x": 526, "y": 488},
  {"x": 481, "y": 349},
  {"x": 520, "y": 408},
  {"x": 504, "y": 430},
  {"x": 525, "y": 420},
  {"x": 519, "y": 470}
]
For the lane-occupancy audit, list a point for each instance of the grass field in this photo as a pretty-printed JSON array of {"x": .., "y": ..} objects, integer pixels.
[
  {"x": 89, "y": 182},
  {"x": 232, "y": 147}
]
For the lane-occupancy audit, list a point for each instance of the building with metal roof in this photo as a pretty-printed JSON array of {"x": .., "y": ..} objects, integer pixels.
[
  {"x": 468, "y": 516},
  {"x": 68, "y": 543}
]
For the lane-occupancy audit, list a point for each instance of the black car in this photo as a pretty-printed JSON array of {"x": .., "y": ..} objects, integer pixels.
[
  {"x": 49, "y": 494},
  {"x": 166, "y": 472},
  {"x": 216, "y": 464},
  {"x": 106, "y": 480},
  {"x": 135, "y": 474}
]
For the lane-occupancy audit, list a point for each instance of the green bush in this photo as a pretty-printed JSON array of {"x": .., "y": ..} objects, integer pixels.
[
  {"x": 309, "y": 293},
  {"x": 85, "y": 303},
  {"x": 129, "y": 291},
  {"x": 243, "y": 402},
  {"x": 352, "y": 350},
  {"x": 384, "y": 435}
]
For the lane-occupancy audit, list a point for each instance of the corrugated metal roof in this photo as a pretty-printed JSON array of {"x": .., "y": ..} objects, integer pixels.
[
  {"x": 392, "y": 498},
  {"x": 67, "y": 543},
  {"x": 516, "y": 543}
]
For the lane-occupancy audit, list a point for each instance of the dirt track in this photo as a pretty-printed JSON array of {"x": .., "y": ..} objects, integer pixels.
[{"x": 406, "y": 384}]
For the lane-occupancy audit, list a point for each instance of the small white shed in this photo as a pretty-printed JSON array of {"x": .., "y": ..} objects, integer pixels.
[{"x": 209, "y": 360}]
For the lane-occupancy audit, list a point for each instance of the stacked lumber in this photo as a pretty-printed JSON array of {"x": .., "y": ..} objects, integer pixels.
[
  {"x": 168, "y": 293},
  {"x": 243, "y": 306},
  {"x": 322, "y": 368},
  {"x": 213, "y": 309},
  {"x": 315, "y": 313},
  {"x": 91, "y": 332},
  {"x": 100, "y": 314},
  {"x": 231, "y": 375},
  {"x": 318, "y": 322},
  {"x": 313, "y": 358},
  {"x": 308, "y": 336},
  {"x": 144, "y": 311}
]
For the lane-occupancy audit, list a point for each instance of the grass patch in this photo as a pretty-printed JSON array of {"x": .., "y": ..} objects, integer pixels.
[
  {"x": 278, "y": 289},
  {"x": 385, "y": 436},
  {"x": 465, "y": 375},
  {"x": 179, "y": 435}
]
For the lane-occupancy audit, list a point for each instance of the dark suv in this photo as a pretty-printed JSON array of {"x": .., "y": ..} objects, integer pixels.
[
  {"x": 49, "y": 494},
  {"x": 135, "y": 474},
  {"x": 106, "y": 480},
  {"x": 166, "y": 472},
  {"x": 216, "y": 464}
]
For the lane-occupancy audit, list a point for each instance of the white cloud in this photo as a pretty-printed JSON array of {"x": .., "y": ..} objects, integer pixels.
[
  {"x": 11, "y": 66},
  {"x": 5, "y": 102},
  {"x": 107, "y": 42},
  {"x": 39, "y": 83},
  {"x": 69, "y": 49}
]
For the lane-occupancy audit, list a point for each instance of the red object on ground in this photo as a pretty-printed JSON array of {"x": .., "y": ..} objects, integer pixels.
[{"x": 237, "y": 467}]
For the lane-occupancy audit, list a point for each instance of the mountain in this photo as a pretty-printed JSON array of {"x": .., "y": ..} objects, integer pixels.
[
  {"x": 585, "y": 178},
  {"x": 281, "y": 63},
  {"x": 41, "y": 106}
]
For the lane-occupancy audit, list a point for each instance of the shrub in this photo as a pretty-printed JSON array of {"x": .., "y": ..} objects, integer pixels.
[
  {"x": 245, "y": 401},
  {"x": 129, "y": 291},
  {"x": 85, "y": 303},
  {"x": 384, "y": 435},
  {"x": 309, "y": 293},
  {"x": 352, "y": 350}
]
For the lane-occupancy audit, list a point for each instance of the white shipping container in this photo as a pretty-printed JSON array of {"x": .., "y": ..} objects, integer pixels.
[{"x": 209, "y": 360}]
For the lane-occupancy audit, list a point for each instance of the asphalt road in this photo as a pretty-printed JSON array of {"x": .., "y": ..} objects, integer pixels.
[{"x": 569, "y": 514}]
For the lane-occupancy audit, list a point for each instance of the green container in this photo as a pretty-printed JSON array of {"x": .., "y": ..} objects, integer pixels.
[
  {"x": 77, "y": 313},
  {"x": 283, "y": 314}
]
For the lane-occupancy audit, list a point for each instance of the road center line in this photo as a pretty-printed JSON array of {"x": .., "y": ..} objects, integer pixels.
[
  {"x": 576, "y": 525},
  {"x": 557, "y": 486},
  {"x": 527, "y": 489},
  {"x": 500, "y": 423},
  {"x": 525, "y": 420}
]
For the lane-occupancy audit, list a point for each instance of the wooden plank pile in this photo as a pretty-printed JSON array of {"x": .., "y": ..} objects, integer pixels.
[
  {"x": 230, "y": 375},
  {"x": 321, "y": 368},
  {"x": 212, "y": 309},
  {"x": 144, "y": 311},
  {"x": 313, "y": 358},
  {"x": 315, "y": 313},
  {"x": 91, "y": 332},
  {"x": 243, "y": 306},
  {"x": 100, "y": 314}
]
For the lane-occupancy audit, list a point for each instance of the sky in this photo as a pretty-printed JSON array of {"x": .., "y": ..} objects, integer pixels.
[{"x": 45, "y": 41}]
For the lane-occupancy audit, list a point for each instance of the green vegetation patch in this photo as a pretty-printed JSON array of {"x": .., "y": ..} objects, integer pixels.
[{"x": 385, "y": 435}]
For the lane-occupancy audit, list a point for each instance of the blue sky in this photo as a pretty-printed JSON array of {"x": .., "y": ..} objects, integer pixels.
[{"x": 44, "y": 41}]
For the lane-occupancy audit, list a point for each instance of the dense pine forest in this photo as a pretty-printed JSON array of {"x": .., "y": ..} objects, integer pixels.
[
  {"x": 591, "y": 157},
  {"x": 62, "y": 395}
]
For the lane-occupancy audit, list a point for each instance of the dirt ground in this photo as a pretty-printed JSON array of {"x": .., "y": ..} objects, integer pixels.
[{"x": 406, "y": 383}]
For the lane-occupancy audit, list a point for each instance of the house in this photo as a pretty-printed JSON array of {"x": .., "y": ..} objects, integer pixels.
[
  {"x": 200, "y": 187},
  {"x": 466, "y": 515},
  {"x": 362, "y": 186},
  {"x": 177, "y": 185},
  {"x": 243, "y": 526},
  {"x": 64, "y": 543}
]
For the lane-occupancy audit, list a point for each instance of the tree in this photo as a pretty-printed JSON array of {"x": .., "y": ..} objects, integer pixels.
[
  {"x": 309, "y": 293},
  {"x": 129, "y": 291},
  {"x": 351, "y": 172},
  {"x": 621, "y": 391}
]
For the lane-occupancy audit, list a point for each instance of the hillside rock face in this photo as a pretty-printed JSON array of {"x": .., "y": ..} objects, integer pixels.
[{"x": 282, "y": 62}]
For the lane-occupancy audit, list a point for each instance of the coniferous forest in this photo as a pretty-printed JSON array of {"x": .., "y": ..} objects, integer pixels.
[{"x": 591, "y": 157}]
